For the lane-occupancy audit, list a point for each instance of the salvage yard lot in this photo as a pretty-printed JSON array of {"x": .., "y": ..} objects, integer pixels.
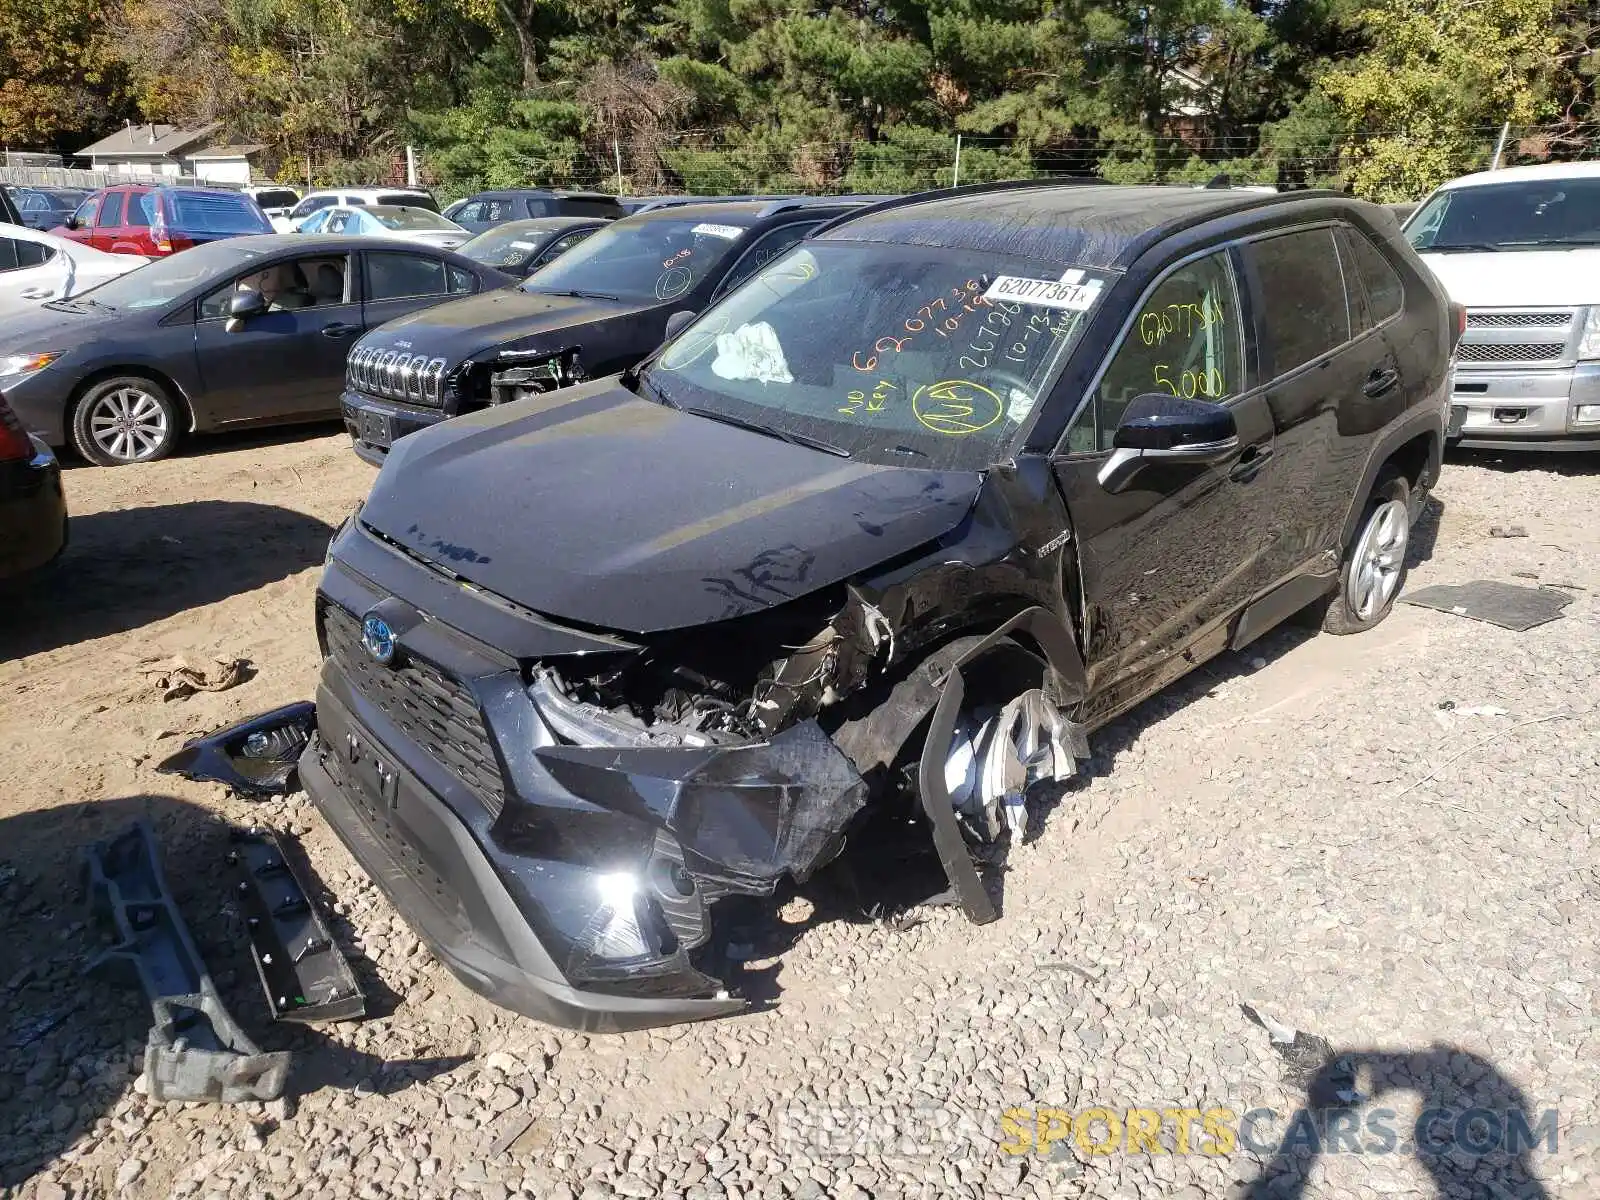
[{"x": 1385, "y": 840}]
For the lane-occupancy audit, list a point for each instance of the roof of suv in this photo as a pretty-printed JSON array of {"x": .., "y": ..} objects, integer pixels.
[
  {"x": 748, "y": 212},
  {"x": 1089, "y": 224},
  {"x": 1573, "y": 170},
  {"x": 541, "y": 193}
]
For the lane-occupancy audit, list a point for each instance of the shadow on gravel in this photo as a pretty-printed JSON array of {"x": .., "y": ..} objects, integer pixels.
[
  {"x": 126, "y": 568},
  {"x": 72, "y": 1046},
  {"x": 1424, "y": 533},
  {"x": 1473, "y": 1136}
]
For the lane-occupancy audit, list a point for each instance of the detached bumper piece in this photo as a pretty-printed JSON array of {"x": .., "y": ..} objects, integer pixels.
[
  {"x": 196, "y": 1050},
  {"x": 257, "y": 757},
  {"x": 303, "y": 972}
]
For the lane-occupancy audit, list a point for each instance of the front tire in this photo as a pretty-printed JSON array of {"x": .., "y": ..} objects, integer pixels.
[
  {"x": 128, "y": 419},
  {"x": 1375, "y": 564}
]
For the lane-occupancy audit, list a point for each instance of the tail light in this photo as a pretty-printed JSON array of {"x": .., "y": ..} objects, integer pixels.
[{"x": 14, "y": 443}]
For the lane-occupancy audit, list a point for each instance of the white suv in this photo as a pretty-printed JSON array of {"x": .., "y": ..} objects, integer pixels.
[
  {"x": 1520, "y": 248},
  {"x": 352, "y": 198}
]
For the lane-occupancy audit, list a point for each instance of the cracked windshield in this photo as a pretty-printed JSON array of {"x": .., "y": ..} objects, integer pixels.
[{"x": 910, "y": 356}]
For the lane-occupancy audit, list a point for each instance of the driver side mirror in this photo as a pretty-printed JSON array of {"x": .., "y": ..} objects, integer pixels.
[
  {"x": 677, "y": 322},
  {"x": 1157, "y": 427},
  {"x": 243, "y": 306},
  {"x": 72, "y": 222}
]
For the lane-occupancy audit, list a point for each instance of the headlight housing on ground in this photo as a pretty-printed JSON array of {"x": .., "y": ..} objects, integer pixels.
[{"x": 26, "y": 364}]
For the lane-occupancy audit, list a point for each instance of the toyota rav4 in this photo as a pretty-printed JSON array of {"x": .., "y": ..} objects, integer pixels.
[{"x": 890, "y": 530}]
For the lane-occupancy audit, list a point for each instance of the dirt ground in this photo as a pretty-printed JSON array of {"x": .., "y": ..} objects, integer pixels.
[{"x": 215, "y": 555}]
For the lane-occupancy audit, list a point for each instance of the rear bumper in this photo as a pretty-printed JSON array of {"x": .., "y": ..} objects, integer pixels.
[
  {"x": 1527, "y": 409},
  {"x": 33, "y": 513},
  {"x": 374, "y": 425}
]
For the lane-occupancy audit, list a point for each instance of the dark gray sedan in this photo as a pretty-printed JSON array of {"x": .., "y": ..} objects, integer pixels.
[{"x": 245, "y": 332}]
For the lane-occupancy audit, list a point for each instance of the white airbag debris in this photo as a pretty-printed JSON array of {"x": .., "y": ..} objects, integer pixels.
[{"x": 751, "y": 352}]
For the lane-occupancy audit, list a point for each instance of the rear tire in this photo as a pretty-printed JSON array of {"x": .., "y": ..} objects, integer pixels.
[
  {"x": 1374, "y": 567},
  {"x": 127, "y": 419}
]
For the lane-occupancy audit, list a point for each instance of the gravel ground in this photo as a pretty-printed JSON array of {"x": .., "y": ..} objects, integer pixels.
[{"x": 1386, "y": 842}]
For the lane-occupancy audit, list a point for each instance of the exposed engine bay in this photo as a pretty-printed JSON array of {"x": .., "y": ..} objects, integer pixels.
[{"x": 714, "y": 691}]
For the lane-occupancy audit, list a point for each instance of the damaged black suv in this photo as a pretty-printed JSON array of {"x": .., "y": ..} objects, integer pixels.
[
  {"x": 595, "y": 310},
  {"x": 896, "y": 525}
]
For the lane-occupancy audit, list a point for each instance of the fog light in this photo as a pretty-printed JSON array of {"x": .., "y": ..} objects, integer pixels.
[
  {"x": 1586, "y": 414},
  {"x": 615, "y": 932}
]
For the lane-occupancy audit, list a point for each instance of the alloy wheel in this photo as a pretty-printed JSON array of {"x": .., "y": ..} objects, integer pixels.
[
  {"x": 128, "y": 424},
  {"x": 1379, "y": 558}
]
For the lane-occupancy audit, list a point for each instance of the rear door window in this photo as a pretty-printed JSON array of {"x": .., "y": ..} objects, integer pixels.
[
  {"x": 396, "y": 276},
  {"x": 141, "y": 210},
  {"x": 32, "y": 254},
  {"x": 1302, "y": 296}
]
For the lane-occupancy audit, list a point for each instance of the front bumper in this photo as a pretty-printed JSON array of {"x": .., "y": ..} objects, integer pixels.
[
  {"x": 375, "y": 425},
  {"x": 40, "y": 401},
  {"x": 494, "y": 838},
  {"x": 33, "y": 512},
  {"x": 440, "y": 878},
  {"x": 1527, "y": 409}
]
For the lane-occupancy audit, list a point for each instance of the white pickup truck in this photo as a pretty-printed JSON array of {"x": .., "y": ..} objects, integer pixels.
[{"x": 1520, "y": 248}]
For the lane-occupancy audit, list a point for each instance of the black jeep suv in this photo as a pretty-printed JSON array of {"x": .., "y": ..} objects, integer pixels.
[
  {"x": 899, "y": 522},
  {"x": 600, "y": 307}
]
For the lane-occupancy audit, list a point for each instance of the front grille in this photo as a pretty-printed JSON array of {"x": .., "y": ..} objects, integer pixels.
[
  {"x": 396, "y": 375},
  {"x": 1518, "y": 320},
  {"x": 1510, "y": 351},
  {"x": 434, "y": 710}
]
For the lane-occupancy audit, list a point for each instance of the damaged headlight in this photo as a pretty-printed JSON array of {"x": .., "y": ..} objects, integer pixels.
[{"x": 584, "y": 724}]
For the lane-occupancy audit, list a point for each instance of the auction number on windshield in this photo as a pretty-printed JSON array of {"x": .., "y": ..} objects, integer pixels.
[{"x": 956, "y": 407}]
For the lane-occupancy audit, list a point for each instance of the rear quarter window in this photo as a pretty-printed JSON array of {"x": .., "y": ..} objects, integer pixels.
[
  {"x": 1302, "y": 295},
  {"x": 1386, "y": 294}
]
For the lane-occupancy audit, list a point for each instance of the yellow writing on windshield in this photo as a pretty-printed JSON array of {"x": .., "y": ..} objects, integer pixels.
[{"x": 956, "y": 407}]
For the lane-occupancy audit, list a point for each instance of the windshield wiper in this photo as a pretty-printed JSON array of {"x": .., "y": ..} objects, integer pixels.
[
  {"x": 573, "y": 292},
  {"x": 1460, "y": 248},
  {"x": 783, "y": 435},
  {"x": 1566, "y": 243}
]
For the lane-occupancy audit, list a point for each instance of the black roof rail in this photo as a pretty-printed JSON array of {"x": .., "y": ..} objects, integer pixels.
[
  {"x": 789, "y": 203},
  {"x": 968, "y": 189}
]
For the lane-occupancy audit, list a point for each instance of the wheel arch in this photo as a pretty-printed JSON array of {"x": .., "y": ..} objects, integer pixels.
[
  {"x": 136, "y": 371},
  {"x": 1416, "y": 449}
]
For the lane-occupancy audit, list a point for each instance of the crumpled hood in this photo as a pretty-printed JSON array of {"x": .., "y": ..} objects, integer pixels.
[
  {"x": 593, "y": 505},
  {"x": 462, "y": 329},
  {"x": 1519, "y": 278}
]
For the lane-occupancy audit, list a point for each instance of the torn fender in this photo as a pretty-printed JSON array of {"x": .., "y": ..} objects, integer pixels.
[
  {"x": 745, "y": 815},
  {"x": 256, "y": 757},
  {"x": 1065, "y": 683}
]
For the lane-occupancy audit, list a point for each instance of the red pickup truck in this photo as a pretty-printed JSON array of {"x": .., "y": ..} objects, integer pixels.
[{"x": 154, "y": 221}]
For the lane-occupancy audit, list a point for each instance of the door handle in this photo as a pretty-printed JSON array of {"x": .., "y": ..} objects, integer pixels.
[
  {"x": 1252, "y": 460},
  {"x": 339, "y": 329},
  {"x": 1380, "y": 381}
]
